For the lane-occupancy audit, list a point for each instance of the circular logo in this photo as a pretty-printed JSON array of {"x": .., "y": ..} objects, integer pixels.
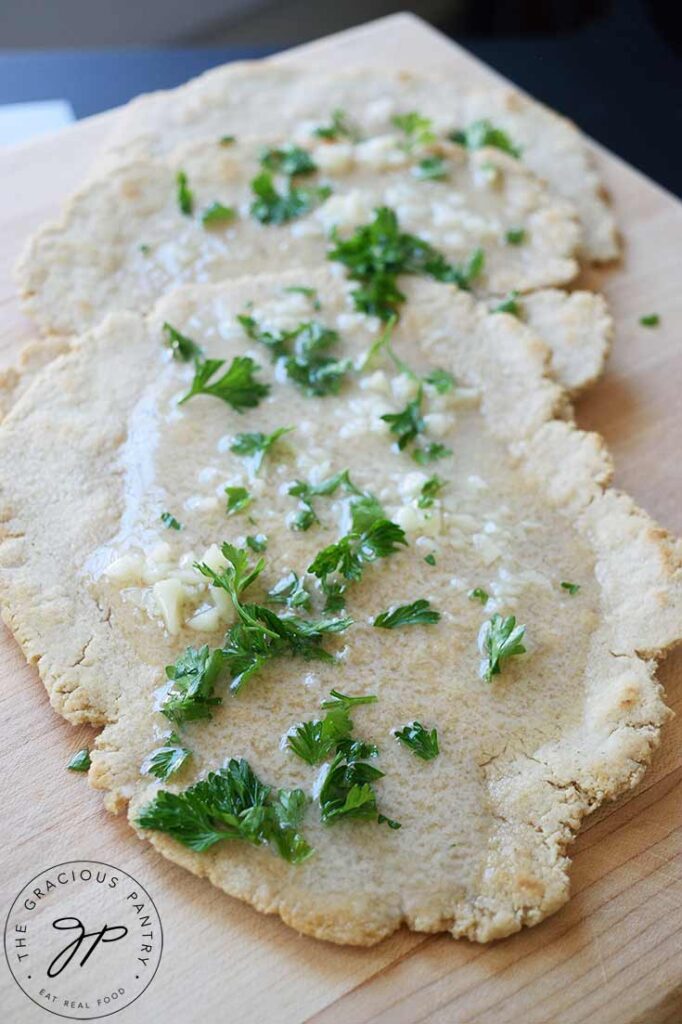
[{"x": 83, "y": 939}]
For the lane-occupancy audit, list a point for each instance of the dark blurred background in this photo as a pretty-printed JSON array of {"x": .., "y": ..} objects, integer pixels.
[{"x": 614, "y": 66}]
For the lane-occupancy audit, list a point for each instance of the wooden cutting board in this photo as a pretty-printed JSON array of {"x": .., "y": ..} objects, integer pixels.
[{"x": 614, "y": 954}]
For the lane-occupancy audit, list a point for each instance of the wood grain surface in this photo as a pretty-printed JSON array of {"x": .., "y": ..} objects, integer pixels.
[{"x": 614, "y": 954}]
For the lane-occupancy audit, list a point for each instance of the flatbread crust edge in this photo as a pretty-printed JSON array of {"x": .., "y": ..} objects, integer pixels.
[{"x": 539, "y": 806}]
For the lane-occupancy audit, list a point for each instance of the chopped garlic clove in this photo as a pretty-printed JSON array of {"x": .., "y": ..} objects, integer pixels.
[{"x": 170, "y": 598}]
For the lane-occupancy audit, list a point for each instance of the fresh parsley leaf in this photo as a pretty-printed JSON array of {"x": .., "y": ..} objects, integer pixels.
[
  {"x": 483, "y": 133},
  {"x": 238, "y": 498},
  {"x": 430, "y": 559},
  {"x": 383, "y": 820},
  {"x": 290, "y": 160},
  {"x": 405, "y": 425},
  {"x": 184, "y": 194},
  {"x": 430, "y": 491},
  {"x": 515, "y": 236},
  {"x": 273, "y": 207},
  {"x": 260, "y": 635},
  {"x": 346, "y": 702},
  {"x": 306, "y": 492},
  {"x": 231, "y": 804},
  {"x": 572, "y": 588},
  {"x": 335, "y": 595},
  {"x": 419, "y": 740},
  {"x": 217, "y": 213},
  {"x": 257, "y": 543},
  {"x": 419, "y": 613},
  {"x": 499, "y": 639},
  {"x": 338, "y": 128},
  {"x": 227, "y": 140},
  {"x": 291, "y": 592},
  {"x": 184, "y": 350},
  {"x": 170, "y": 522},
  {"x": 144, "y": 249},
  {"x": 372, "y": 536},
  {"x": 80, "y": 762},
  {"x": 314, "y": 741},
  {"x": 431, "y": 168},
  {"x": 418, "y": 130},
  {"x": 168, "y": 759},
  {"x": 310, "y": 366},
  {"x": 310, "y": 293},
  {"x": 304, "y": 352},
  {"x": 237, "y": 576},
  {"x": 441, "y": 380},
  {"x": 376, "y": 253},
  {"x": 254, "y": 447},
  {"x": 346, "y": 790},
  {"x": 431, "y": 452},
  {"x": 478, "y": 594},
  {"x": 509, "y": 305},
  {"x": 650, "y": 320},
  {"x": 248, "y": 647},
  {"x": 190, "y": 696},
  {"x": 237, "y": 386}
]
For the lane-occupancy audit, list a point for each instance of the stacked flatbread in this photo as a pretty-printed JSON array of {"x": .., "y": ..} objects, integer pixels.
[{"x": 305, "y": 418}]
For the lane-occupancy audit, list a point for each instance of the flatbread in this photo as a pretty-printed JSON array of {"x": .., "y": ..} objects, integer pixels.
[
  {"x": 577, "y": 327},
  {"x": 247, "y": 97},
  {"x": 123, "y": 240},
  {"x": 568, "y": 724}
]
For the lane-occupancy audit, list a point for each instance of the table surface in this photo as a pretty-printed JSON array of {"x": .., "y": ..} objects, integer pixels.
[{"x": 614, "y": 954}]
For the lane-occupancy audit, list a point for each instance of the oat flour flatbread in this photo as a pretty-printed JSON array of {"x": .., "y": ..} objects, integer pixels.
[
  {"x": 283, "y": 100},
  {"x": 123, "y": 240},
  {"x": 101, "y": 596}
]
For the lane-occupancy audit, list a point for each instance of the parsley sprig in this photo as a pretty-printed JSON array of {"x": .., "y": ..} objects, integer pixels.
[
  {"x": 273, "y": 207},
  {"x": 314, "y": 741},
  {"x": 169, "y": 521},
  {"x": 216, "y": 214},
  {"x": 431, "y": 168},
  {"x": 499, "y": 639},
  {"x": 190, "y": 696},
  {"x": 484, "y": 133},
  {"x": 371, "y": 536},
  {"x": 430, "y": 491},
  {"x": 304, "y": 352},
  {"x": 80, "y": 762},
  {"x": 238, "y": 499},
  {"x": 419, "y": 613},
  {"x": 339, "y": 127},
  {"x": 183, "y": 349},
  {"x": 237, "y": 386},
  {"x": 231, "y": 804},
  {"x": 376, "y": 253},
  {"x": 417, "y": 129},
  {"x": 260, "y": 635},
  {"x": 307, "y": 492},
  {"x": 407, "y": 425},
  {"x": 255, "y": 446},
  {"x": 168, "y": 759},
  {"x": 185, "y": 196},
  {"x": 291, "y": 592},
  {"x": 289, "y": 160},
  {"x": 422, "y": 742},
  {"x": 347, "y": 790}
]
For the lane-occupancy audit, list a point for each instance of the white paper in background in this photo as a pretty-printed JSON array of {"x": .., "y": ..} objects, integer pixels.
[{"x": 22, "y": 121}]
